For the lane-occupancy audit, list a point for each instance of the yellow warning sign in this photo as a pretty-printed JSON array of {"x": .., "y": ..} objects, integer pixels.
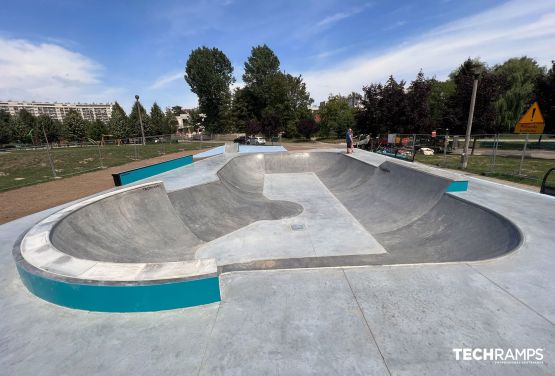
[{"x": 532, "y": 121}]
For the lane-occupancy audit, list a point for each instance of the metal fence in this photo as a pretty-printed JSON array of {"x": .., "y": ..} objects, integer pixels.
[
  {"x": 23, "y": 165},
  {"x": 514, "y": 157}
]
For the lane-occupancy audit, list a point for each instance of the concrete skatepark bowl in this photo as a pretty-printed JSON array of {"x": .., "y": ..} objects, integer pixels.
[{"x": 144, "y": 248}]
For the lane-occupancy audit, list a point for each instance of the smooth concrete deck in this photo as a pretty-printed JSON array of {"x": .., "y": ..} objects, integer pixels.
[{"x": 371, "y": 320}]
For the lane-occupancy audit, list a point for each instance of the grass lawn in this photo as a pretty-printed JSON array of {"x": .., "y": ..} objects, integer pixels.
[
  {"x": 506, "y": 168},
  {"x": 26, "y": 167}
]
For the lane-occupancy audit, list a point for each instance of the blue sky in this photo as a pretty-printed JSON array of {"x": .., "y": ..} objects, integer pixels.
[{"x": 111, "y": 50}]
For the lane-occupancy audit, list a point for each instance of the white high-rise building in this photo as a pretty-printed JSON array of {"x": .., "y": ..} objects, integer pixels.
[{"x": 89, "y": 111}]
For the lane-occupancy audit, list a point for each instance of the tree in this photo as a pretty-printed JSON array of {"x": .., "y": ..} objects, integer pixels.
[
  {"x": 52, "y": 127},
  {"x": 242, "y": 111},
  {"x": 23, "y": 125},
  {"x": 368, "y": 120},
  {"x": 157, "y": 120},
  {"x": 75, "y": 128},
  {"x": 519, "y": 76},
  {"x": 6, "y": 133},
  {"x": 489, "y": 89},
  {"x": 545, "y": 95},
  {"x": 253, "y": 127},
  {"x": 209, "y": 73},
  {"x": 96, "y": 129},
  {"x": 336, "y": 116},
  {"x": 134, "y": 122},
  {"x": 440, "y": 92},
  {"x": 170, "y": 122},
  {"x": 261, "y": 64},
  {"x": 418, "y": 95},
  {"x": 394, "y": 109},
  {"x": 118, "y": 123},
  {"x": 288, "y": 99},
  {"x": 277, "y": 100},
  {"x": 307, "y": 127}
]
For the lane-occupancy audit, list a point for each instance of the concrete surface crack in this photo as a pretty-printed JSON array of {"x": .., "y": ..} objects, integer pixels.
[
  {"x": 366, "y": 322},
  {"x": 511, "y": 295},
  {"x": 208, "y": 339}
]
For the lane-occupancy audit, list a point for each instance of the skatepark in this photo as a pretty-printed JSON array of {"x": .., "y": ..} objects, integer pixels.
[{"x": 347, "y": 262}]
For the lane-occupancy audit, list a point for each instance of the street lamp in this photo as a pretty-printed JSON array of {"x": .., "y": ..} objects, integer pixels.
[
  {"x": 140, "y": 119},
  {"x": 464, "y": 157}
]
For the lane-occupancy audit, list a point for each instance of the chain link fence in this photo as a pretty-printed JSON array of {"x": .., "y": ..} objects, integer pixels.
[
  {"x": 515, "y": 157},
  {"x": 24, "y": 165}
]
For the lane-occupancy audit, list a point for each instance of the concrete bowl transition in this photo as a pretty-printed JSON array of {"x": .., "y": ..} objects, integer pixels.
[{"x": 142, "y": 248}]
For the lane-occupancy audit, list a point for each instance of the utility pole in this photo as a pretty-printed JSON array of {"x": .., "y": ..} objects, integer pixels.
[
  {"x": 140, "y": 119},
  {"x": 464, "y": 158}
]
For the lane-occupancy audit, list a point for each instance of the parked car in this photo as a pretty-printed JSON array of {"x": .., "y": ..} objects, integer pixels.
[
  {"x": 426, "y": 151},
  {"x": 256, "y": 141},
  {"x": 241, "y": 140}
]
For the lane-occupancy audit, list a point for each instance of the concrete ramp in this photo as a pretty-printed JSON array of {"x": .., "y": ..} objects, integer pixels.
[{"x": 139, "y": 225}]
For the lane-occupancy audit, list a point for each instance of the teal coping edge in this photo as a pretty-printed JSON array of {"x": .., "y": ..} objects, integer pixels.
[
  {"x": 122, "y": 298},
  {"x": 140, "y": 173},
  {"x": 458, "y": 186}
]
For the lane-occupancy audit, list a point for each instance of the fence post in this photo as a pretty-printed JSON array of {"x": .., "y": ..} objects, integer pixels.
[
  {"x": 495, "y": 144},
  {"x": 523, "y": 153},
  {"x": 48, "y": 152},
  {"x": 445, "y": 146}
]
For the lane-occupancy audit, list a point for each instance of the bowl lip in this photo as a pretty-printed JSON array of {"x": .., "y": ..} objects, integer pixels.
[{"x": 35, "y": 244}]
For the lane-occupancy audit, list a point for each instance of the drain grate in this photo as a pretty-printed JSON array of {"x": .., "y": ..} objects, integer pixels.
[{"x": 297, "y": 227}]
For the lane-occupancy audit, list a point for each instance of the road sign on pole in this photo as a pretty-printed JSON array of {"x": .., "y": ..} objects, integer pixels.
[{"x": 532, "y": 122}]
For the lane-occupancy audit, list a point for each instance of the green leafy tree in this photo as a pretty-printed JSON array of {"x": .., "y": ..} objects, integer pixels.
[
  {"x": 288, "y": 99},
  {"x": 134, "y": 122},
  {"x": 95, "y": 129},
  {"x": 394, "y": 108},
  {"x": 117, "y": 126},
  {"x": 307, "y": 127},
  {"x": 260, "y": 78},
  {"x": 545, "y": 95},
  {"x": 336, "y": 116},
  {"x": 6, "y": 132},
  {"x": 170, "y": 122},
  {"x": 52, "y": 127},
  {"x": 261, "y": 64},
  {"x": 75, "y": 128},
  {"x": 157, "y": 120},
  {"x": 440, "y": 92},
  {"x": 418, "y": 98},
  {"x": 253, "y": 127},
  {"x": 368, "y": 120},
  {"x": 519, "y": 76},
  {"x": 209, "y": 73},
  {"x": 276, "y": 100},
  {"x": 23, "y": 127},
  {"x": 489, "y": 89},
  {"x": 242, "y": 111}
]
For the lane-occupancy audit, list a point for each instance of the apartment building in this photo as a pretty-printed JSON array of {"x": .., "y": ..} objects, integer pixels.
[{"x": 89, "y": 111}]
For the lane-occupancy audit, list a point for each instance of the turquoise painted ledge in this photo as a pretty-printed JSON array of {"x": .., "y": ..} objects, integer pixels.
[
  {"x": 122, "y": 298},
  {"x": 140, "y": 173},
  {"x": 458, "y": 186}
]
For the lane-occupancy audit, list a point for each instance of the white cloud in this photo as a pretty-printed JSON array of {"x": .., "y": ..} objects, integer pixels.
[
  {"x": 339, "y": 16},
  {"x": 513, "y": 29},
  {"x": 164, "y": 80},
  {"x": 47, "y": 71}
]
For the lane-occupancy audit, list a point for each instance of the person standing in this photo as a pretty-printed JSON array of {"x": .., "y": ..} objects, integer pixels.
[{"x": 349, "y": 139}]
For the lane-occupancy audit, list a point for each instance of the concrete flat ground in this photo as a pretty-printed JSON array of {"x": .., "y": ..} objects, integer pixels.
[{"x": 390, "y": 320}]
